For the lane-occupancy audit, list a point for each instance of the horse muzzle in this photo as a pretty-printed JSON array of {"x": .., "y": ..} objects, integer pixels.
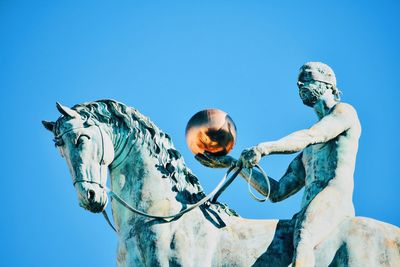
[{"x": 92, "y": 197}]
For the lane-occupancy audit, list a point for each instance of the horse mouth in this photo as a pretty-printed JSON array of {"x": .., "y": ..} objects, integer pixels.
[
  {"x": 96, "y": 207},
  {"x": 95, "y": 202}
]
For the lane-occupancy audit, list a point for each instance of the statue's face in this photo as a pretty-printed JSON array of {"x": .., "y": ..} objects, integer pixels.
[{"x": 310, "y": 91}]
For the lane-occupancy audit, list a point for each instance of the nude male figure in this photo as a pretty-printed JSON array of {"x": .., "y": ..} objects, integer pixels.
[{"x": 324, "y": 166}]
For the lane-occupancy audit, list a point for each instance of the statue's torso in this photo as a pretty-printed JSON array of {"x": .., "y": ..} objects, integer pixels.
[{"x": 331, "y": 163}]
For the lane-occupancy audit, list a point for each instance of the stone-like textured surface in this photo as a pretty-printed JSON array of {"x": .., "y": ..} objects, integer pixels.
[
  {"x": 325, "y": 166},
  {"x": 151, "y": 175}
]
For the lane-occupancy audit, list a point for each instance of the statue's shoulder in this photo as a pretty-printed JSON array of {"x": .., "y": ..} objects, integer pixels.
[
  {"x": 345, "y": 109},
  {"x": 348, "y": 114}
]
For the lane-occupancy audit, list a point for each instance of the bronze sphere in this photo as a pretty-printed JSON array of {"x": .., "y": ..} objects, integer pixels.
[{"x": 211, "y": 131}]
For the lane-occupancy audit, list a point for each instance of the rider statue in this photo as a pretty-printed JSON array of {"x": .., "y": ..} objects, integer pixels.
[{"x": 324, "y": 166}]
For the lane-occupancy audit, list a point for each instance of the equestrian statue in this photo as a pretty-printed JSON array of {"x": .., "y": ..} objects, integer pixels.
[{"x": 163, "y": 217}]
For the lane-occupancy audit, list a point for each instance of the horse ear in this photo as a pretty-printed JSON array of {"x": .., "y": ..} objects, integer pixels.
[
  {"x": 66, "y": 111},
  {"x": 49, "y": 125}
]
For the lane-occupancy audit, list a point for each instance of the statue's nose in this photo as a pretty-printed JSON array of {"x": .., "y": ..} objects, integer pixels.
[{"x": 91, "y": 195}]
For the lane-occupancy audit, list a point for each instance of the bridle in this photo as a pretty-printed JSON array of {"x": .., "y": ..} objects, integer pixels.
[{"x": 213, "y": 195}]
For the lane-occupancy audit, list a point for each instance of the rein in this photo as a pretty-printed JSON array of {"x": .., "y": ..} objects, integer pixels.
[
  {"x": 215, "y": 193},
  {"x": 222, "y": 185},
  {"x": 176, "y": 215}
]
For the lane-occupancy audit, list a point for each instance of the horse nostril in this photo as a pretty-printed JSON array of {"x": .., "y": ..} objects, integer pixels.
[{"x": 91, "y": 195}]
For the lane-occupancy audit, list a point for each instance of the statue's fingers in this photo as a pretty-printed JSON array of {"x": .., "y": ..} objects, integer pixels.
[
  {"x": 220, "y": 161},
  {"x": 199, "y": 157},
  {"x": 228, "y": 161},
  {"x": 249, "y": 155},
  {"x": 239, "y": 163},
  {"x": 208, "y": 156},
  {"x": 254, "y": 163},
  {"x": 203, "y": 160},
  {"x": 246, "y": 162},
  {"x": 249, "y": 165}
]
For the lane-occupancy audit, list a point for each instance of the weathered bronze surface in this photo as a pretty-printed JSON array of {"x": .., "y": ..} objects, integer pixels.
[
  {"x": 212, "y": 131},
  {"x": 151, "y": 174}
]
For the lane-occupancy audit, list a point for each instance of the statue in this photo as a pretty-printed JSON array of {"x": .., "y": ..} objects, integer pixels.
[
  {"x": 324, "y": 167},
  {"x": 150, "y": 174}
]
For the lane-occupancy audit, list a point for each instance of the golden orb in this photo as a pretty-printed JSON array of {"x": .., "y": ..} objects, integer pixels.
[{"x": 211, "y": 131}]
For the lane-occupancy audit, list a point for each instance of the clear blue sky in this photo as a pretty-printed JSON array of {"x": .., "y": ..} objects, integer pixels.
[{"x": 170, "y": 59}]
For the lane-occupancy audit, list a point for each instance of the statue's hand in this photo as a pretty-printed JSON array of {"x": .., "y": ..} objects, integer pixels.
[
  {"x": 215, "y": 162},
  {"x": 250, "y": 157}
]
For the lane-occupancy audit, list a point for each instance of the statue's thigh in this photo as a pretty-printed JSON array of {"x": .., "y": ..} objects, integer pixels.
[{"x": 320, "y": 217}]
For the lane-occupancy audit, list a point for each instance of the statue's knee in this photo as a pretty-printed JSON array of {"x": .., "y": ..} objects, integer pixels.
[
  {"x": 303, "y": 255},
  {"x": 304, "y": 247},
  {"x": 303, "y": 237}
]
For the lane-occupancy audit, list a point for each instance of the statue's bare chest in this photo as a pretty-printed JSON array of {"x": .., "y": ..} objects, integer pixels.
[{"x": 320, "y": 162}]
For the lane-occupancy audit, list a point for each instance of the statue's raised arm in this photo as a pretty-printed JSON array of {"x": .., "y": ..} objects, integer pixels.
[
  {"x": 340, "y": 118},
  {"x": 338, "y": 121}
]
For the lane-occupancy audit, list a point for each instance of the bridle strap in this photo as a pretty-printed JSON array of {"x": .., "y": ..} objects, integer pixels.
[
  {"x": 233, "y": 177},
  {"x": 102, "y": 146},
  {"x": 222, "y": 189},
  {"x": 87, "y": 181},
  {"x": 104, "y": 212},
  {"x": 101, "y": 158},
  {"x": 67, "y": 131},
  {"x": 172, "y": 216},
  {"x": 223, "y": 184}
]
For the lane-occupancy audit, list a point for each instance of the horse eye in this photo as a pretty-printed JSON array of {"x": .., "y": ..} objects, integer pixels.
[{"x": 81, "y": 139}]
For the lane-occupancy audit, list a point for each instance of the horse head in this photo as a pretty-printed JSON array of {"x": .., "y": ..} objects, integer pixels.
[
  {"x": 103, "y": 135},
  {"x": 88, "y": 150}
]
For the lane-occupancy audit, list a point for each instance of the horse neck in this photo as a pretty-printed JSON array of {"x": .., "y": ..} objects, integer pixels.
[{"x": 139, "y": 180}]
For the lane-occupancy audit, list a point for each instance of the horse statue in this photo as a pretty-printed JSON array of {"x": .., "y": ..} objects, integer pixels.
[{"x": 149, "y": 174}]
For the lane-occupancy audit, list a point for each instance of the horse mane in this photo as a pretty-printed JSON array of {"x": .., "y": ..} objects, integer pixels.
[{"x": 170, "y": 162}]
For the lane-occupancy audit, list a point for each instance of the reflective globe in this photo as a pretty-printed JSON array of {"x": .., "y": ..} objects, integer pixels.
[{"x": 211, "y": 131}]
